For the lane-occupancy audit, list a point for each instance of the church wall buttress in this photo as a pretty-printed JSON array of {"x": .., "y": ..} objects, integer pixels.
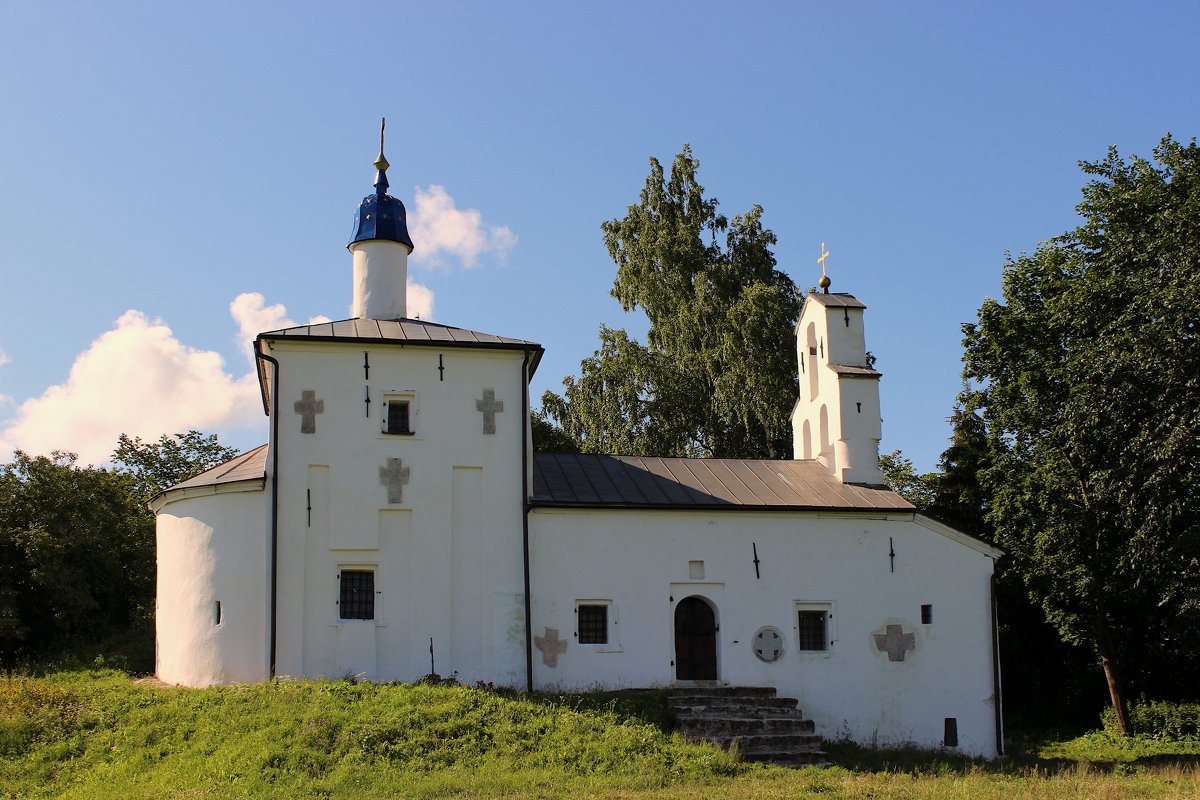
[{"x": 466, "y": 570}]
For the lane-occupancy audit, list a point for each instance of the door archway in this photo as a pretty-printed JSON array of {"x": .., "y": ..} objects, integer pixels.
[{"x": 695, "y": 640}]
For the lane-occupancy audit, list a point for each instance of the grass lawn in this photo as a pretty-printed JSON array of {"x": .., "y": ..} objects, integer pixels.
[{"x": 100, "y": 735}]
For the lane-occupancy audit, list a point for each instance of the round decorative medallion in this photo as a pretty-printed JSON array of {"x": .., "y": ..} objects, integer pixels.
[{"x": 768, "y": 643}]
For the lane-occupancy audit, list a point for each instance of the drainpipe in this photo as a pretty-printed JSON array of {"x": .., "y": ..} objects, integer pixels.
[
  {"x": 999, "y": 698},
  {"x": 525, "y": 519},
  {"x": 274, "y": 497}
]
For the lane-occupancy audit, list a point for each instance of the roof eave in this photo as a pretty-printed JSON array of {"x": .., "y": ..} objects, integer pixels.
[
  {"x": 605, "y": 506},
  {"x": 168, "y": 496}
]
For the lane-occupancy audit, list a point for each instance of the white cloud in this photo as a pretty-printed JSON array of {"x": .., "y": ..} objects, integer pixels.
[
  {"x": 420, "y": 301},
  {"x": 4, "y": 359},
  {"x": 253, "y": 316},
  {"x": 438, "y": 228},
  {"x": 137, "y": 379}
]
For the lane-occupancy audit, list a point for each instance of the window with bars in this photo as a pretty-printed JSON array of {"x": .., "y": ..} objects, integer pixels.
[
  {"x": 356, "y": 594},
  {"x": 811, "y": 630},
  {"x": 399, "y": 417},
  {"x": 591, "y": 624}
]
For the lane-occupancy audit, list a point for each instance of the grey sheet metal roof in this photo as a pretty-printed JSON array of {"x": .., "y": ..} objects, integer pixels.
[
  {"x": 836, "y": 300},
  {"x": 407, "y": 331},
  {"x": 860, "y": 372},
  {"x": 600, "y": 481},
  {"x": 247, "y": 466}
]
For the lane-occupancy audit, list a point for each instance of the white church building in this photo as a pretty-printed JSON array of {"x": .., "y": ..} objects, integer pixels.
[{"x": 398, "y": 523}]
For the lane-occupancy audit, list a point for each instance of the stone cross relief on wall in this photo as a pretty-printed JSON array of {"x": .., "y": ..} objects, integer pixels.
[
  {"x": 489, "y": 406},
  {"x": 308, "y": 406},
  {"x": 394, "y": 476},
  {"x": 551, "y": 646},
  {"x": 895, "y": 642}
]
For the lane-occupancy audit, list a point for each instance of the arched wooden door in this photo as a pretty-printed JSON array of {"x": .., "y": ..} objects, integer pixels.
[{"x": 695, "y": 641}]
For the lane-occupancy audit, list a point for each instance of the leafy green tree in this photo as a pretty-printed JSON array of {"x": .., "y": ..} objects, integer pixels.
[
  {"x": 959, "y": 497},
  {"x": 77, "y": 543},
  {"x": 902, "y": 478},
  {"x": 159, "y": 465},
  {"x": 78, "y": 554},
  {"x": 547, "y": 437},
  {"x": 1090, "y": 396},
  {"x": 717, "y": 375}
]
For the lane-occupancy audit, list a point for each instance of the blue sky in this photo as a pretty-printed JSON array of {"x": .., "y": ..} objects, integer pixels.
[{"x": 165, "y": 159}]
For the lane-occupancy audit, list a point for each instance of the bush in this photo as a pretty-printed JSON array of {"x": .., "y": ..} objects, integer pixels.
[{"x": 1159, "y": 719}]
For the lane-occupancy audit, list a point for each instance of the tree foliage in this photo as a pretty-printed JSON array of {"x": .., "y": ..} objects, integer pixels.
[
  {"x": 78, "y": 554},
  {"x": 717, "y": 374},
  {"x": 959, "y": 497},
  {"x": 77, "y": 543},
  {"x": 902, "y": 478},
  {"x": 1090, "y": 395},
  {"x": 547, "y": 437},
  {"x": 172, "y": 459}
]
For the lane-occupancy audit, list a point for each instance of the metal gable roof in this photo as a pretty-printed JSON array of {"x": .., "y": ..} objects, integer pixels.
[
  {"x": 602, "y": 481},
  {"x": 407, "y": 331}
]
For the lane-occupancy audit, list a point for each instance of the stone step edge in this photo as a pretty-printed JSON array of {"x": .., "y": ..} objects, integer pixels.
[
  {"x": 709, "y": 691},
  {"x": 735, "y": 702},
  {"x": 726, "y": 733}
]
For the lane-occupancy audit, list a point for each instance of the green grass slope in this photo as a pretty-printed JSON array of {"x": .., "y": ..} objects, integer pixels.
[{"x": 98, "y": 734}]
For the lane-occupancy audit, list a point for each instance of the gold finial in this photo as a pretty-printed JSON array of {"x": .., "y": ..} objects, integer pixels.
[
  {"x": 381, "y": 163},
  {"x": 824, "y": 282}
]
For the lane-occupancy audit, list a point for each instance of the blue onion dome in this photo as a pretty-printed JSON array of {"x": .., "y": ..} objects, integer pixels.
[{"x": 379, "y": 215}]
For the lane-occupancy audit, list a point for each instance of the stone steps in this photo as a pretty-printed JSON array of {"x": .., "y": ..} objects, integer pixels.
[
  {"x": 754, "y": 705},
  {"x": 751, "y": 719},
  {"x": 742, "y": 726}
]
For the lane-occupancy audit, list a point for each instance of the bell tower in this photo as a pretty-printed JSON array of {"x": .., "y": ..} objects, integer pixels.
[
  {"x": 836, "y": 419},
  {"x": 380, "y": 246}
]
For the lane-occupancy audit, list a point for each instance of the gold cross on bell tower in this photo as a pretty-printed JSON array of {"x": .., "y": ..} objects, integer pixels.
[{"x": 824, "y": 282}]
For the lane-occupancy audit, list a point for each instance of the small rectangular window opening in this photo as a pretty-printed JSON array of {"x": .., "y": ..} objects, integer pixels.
[
  {"x": 356, "y": 594},
  {"x": 592, "y": 624},
  {"x": 950, "y": 738},
  {"x": 926, "y": 614},
  {"x": 811, "y": 629},
  {"x": 216, "y": 612},
  {"x": 398, "y": 420}
]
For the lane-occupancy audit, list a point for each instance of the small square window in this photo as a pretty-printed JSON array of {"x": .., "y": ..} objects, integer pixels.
[
  {"x": 399, "y": 416},
  {"x": 927, "y": 614},
  {"x": 591, "y": 624},
  {"x": 356, "y": 594},
  {"x": 811, "y": 630}
]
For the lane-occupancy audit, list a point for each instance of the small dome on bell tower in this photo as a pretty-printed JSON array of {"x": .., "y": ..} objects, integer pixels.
[
  {"x": 379, "y": 215},
  {"x": 380, "y": 247}
]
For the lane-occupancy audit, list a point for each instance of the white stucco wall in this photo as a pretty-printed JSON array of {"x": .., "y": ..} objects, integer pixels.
[
  {"x": 212, "y": 546},
  {"x": 639, "y": 561},
  {"x": 447, "y": 558}
]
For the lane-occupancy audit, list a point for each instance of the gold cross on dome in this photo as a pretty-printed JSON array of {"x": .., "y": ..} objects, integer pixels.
[{"x": 824, "y": 255}]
